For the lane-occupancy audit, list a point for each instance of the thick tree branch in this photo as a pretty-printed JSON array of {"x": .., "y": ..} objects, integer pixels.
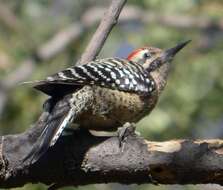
[{"x": 82, "y": 159}]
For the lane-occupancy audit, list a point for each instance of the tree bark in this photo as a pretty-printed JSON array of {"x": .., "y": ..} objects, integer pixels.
[{"x": 82, "y": 158}]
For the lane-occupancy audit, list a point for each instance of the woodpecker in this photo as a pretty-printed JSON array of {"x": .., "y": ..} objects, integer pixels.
[{"x": 104, "y": 94}]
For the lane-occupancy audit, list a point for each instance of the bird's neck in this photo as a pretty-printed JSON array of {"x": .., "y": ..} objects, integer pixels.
[{"x": 160, "y": 76}]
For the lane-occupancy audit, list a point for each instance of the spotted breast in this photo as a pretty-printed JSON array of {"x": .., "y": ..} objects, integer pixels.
[{"x": 110, "y": 109}]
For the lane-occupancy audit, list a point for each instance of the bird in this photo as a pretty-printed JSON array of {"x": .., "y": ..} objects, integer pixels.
[{"x": 104, "y": 94}]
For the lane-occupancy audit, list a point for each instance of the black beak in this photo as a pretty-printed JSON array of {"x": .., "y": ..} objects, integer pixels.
[
  {"x": 170, "y": 53},
  {"x": 166, "y": 56}
]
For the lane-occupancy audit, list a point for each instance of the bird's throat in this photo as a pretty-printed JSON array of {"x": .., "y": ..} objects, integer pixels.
[{"x": 160, "y": 76}]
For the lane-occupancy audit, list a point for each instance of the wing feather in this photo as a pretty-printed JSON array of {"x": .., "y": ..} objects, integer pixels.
[{"x": 113, "y": 73}]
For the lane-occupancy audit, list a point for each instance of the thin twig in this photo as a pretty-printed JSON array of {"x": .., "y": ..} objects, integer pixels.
[{"x": 103, "y": 30}]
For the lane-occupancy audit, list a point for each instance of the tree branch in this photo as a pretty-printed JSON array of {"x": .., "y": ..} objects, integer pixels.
[
  {"x": 82, "y": 159},
  {"x": 108, "y": 21}
]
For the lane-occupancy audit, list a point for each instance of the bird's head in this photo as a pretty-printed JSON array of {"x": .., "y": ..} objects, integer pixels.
[{"x": 156, "y": 61}]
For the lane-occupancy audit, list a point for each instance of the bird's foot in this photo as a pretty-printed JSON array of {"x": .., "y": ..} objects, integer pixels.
[{"x": 128, "y": 129}]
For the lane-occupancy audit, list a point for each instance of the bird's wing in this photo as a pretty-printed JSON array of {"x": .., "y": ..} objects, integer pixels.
[{"x": 113, "y": 73}]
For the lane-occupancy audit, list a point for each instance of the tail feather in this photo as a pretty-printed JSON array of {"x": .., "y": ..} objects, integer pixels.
[
  {"x": 37, "y": 150},
  {"x": 60, "y": 117}
]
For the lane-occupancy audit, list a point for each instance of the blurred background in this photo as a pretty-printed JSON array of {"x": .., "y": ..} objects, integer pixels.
[{"x": 40, "y": 37}]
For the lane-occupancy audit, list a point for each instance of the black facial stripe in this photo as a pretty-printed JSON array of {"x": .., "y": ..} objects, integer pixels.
[{"x": 154, "y": 65}]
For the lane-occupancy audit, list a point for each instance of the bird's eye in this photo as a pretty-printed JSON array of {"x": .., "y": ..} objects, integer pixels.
[{"x": 146, "y": 55}]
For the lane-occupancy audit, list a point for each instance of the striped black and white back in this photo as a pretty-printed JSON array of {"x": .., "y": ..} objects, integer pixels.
[{"x": 113, "y": 73}]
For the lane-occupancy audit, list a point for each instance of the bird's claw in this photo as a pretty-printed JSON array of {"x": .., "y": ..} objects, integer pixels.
[{"x": 128, "y": 129}]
